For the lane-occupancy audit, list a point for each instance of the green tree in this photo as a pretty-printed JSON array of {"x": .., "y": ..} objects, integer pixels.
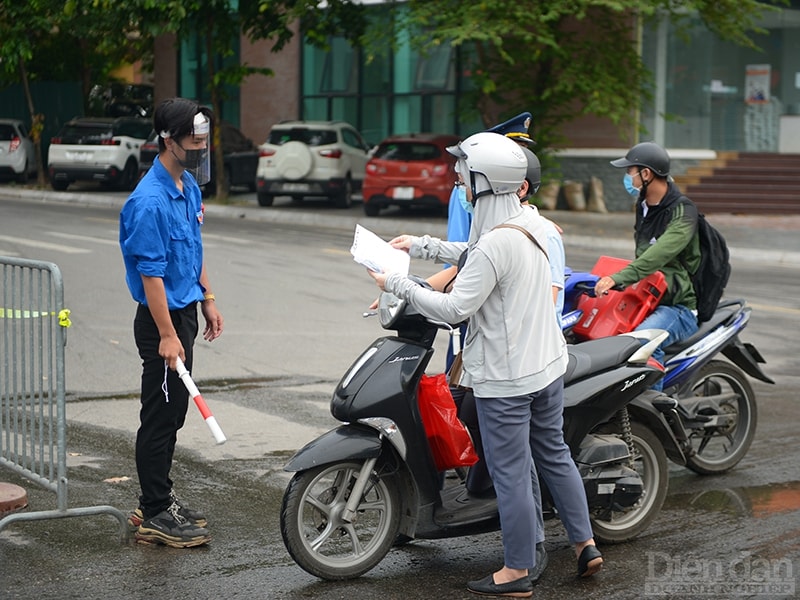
[
  {"x": 220, "y": 23},
  {"x": 99, "y": 36},
  {"x": 56, "y": 40},
  {"x": 562, "y": 59},
  {"x": 22, "y": 27}
]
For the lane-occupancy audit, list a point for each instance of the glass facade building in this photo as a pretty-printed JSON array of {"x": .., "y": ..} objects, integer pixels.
[
  {"x": 401, "y": 92},
  {"x": 722, "y": 96}
]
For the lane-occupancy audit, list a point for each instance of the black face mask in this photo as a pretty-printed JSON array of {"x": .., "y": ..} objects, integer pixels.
[{"x": 196, "y": 162}]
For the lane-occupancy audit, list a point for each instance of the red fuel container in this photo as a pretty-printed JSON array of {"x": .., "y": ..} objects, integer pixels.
[{"x": 618, "y": 311}]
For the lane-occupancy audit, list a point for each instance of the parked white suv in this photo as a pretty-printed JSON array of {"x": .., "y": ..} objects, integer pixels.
[
  {"x": 98, "y": 149},
  {"x": 311, "y": 158}
]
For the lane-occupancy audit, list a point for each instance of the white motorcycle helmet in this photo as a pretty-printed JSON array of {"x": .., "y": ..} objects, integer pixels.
[{"x": 490, "y": 163}]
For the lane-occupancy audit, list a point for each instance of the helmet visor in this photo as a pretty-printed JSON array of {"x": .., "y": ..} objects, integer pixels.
[
  {"x": 457, "y": 151},
  {"x": 622, "y": 163}
]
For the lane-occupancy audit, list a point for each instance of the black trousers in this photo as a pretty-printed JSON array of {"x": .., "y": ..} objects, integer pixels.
[{"x": 164, "y": 403}]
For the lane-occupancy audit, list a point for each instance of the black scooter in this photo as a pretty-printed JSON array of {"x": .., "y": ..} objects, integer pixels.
[{"x": 371, "y": 482}]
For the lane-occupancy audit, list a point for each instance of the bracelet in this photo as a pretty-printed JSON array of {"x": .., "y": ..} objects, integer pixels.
[{"x": 209, "y": 297}]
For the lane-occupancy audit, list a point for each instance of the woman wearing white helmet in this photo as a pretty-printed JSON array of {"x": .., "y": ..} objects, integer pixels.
[{"x": 514, "y": 356}]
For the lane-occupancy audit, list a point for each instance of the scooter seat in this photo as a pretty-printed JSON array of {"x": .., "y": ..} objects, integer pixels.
[
  {"x": 722, "y": 315},
  {"x": 598, "y": 355}
]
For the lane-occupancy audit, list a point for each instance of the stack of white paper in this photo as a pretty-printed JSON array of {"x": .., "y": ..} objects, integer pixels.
[{"x": 376, "y": 254}]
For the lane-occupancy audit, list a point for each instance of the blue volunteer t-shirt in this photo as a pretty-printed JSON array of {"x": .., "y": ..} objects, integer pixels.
[{"x": 159, "y": 235}]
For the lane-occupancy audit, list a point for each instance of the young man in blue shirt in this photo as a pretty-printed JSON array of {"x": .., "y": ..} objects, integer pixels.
[{"x": 159, "y": 236}]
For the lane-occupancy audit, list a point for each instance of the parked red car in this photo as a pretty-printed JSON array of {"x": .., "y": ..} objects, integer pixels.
[{"x": 410, "y": 170}]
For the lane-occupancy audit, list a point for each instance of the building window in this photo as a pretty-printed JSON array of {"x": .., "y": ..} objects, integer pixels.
[
  {"x": 435, "y": 70},
  {"x": 702, "y": 86},
  {"x": 340, "y": 74}
]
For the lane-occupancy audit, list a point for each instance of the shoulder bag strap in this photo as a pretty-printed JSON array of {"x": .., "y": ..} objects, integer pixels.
[{"x": 526, "y": 232}]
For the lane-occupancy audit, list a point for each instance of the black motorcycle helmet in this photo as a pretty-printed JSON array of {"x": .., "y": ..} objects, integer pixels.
[
  {"x": 534, "y": 171},
  {"x": 646, "y": 154}
]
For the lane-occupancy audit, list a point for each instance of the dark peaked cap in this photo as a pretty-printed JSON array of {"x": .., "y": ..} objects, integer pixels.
[{"x": 515, "y": 128}]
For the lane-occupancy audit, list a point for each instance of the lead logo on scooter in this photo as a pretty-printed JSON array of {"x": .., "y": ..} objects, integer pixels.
[{"x": 632, "y": 382}]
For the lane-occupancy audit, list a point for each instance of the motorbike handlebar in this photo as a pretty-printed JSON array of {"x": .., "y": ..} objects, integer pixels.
[{"x": 588, "y": 288}]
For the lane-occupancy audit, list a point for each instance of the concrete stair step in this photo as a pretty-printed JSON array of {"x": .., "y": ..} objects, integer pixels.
[{"x": 745, "y": 182}]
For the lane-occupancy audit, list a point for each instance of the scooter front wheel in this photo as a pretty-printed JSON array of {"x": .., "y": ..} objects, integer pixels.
[
  {"x": 650, "y": 462},
  {"x": 728, "y": 396},
  {"x": 319, "y": 537}
]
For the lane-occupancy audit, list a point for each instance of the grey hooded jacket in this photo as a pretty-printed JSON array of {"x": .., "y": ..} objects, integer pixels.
[{"x": 513, "y": 345}]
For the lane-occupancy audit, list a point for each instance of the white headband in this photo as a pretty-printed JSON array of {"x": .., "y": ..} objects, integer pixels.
[{"x": 200, "y": 126}]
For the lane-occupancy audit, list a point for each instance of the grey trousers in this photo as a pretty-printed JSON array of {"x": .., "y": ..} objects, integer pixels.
[{"x": 512, "y": 429}]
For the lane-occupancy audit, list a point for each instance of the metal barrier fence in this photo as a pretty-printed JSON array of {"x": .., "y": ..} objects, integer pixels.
[{"x": 33, "y": 323}]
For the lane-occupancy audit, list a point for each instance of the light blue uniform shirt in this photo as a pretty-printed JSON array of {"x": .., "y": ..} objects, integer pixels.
[
  {"x": 458, "y": 219},
  {"x": 159, "y": 235},
  {"x": 558, "y": 263}
]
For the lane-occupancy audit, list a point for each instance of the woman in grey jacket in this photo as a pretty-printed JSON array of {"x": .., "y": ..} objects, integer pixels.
[{"x": 514, "y": 355}]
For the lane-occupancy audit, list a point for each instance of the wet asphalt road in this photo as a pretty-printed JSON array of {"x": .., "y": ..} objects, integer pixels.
[
  {"x": 731, "y": 536},
  {"x": 734, "y": 521}
]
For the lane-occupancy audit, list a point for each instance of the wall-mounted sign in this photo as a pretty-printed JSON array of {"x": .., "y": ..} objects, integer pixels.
[{"x": 756, "y": 84}]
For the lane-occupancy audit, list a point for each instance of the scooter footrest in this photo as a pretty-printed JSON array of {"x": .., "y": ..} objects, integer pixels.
[
  {"x": 664, "y": 404},
  {"x": 460, "y": 508}
]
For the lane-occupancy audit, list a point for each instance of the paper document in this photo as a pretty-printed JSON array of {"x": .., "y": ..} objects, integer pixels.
[{"x": 378, "y": 255}]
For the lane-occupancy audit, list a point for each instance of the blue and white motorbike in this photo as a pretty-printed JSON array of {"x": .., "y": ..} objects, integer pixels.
[{"x": 708, "y": 402}]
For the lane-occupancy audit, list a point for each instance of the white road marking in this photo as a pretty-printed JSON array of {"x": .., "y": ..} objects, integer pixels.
[
  {"x": 44, "y": 245},
  {"x": 83, "y": 238}
]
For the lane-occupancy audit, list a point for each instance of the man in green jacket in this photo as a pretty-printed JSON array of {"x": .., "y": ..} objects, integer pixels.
[{"x": 666, "y": 240}]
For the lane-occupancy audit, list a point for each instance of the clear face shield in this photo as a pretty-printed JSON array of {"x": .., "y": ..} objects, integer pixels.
[
  {"x": 197, "y": 161},
  {"x": 461, "y": 169}
]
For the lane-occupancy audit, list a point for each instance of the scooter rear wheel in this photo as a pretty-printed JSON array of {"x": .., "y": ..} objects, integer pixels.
[
  {"x": 317, "y": 536},
  {"x": 720, "y": 448},
  {"x": 650, "y": 461}
]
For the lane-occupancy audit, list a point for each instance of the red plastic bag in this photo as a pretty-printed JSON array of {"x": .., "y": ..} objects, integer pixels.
[{"x": 448, "y": 437}]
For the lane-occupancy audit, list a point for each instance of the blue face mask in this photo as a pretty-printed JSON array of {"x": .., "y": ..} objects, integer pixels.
[
  {"x": 628, "y": 182},
  {"x": 462, "y": 197}
]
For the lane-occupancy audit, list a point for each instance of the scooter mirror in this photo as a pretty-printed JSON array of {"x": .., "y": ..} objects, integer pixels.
[{"x": 390, "y": 307}]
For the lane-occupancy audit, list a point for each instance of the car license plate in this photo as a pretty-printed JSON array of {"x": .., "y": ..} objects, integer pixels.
[
  {"x": 296, "y": 187},
  {"x": 79, "y": 156},
  {"x": 403, "y": 193}
]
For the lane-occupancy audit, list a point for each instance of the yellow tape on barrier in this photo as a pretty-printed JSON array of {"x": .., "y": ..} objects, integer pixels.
[{"x": 11, "y": 313}]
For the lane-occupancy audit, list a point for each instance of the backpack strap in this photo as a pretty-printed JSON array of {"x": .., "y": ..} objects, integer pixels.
[
  {"x": 526, "y": 232},
  {"x": 685, "y": 200}
]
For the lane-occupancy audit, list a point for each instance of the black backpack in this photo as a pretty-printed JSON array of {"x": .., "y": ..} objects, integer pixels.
[{"x": 712, "y": 274}]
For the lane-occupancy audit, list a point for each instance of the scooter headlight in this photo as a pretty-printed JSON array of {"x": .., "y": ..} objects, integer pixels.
[{"x": 357, "y": 366}]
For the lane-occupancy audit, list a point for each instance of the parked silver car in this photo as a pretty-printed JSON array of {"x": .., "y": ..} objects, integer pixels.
[{"x": 17, "y": 153}]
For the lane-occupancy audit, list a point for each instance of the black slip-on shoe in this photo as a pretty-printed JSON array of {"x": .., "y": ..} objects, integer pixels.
[
  {"x": 590, "y": 561},
  {"x": 519, "y": 588}
]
